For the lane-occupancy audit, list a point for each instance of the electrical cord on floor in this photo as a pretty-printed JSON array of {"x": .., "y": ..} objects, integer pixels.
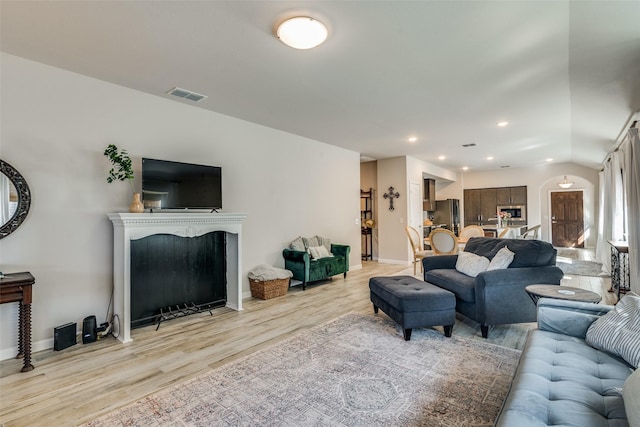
[
  {"x": 106, "y": 317},
  {"x": 115, "y": 322},
  {"x": 115, "y": 329}
]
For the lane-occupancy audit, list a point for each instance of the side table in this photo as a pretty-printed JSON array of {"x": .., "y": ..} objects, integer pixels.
[
  {"x": 561, "y": 292},
  {"x": 16, "y": 287}
]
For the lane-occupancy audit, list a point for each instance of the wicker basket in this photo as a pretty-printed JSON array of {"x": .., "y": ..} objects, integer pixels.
[{"x": 269, "y": 289}]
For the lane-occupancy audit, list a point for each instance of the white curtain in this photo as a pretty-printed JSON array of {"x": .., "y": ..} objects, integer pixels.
[
  {"x": 631, "y": 176},
  {"x": 611, "y": 209}
]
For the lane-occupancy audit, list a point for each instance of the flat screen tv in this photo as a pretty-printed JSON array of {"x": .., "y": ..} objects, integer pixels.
[{"x": 174, "y": 185}]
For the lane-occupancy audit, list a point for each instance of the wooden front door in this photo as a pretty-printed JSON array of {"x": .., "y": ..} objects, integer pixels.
[{"x": 567, "y": 219}]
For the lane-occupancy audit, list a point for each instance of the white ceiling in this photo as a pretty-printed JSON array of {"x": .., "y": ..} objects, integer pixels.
[{"x": 566, "y": 75}]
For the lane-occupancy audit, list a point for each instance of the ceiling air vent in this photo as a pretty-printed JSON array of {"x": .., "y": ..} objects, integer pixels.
[
  {"x": 186, "y": 94},
  {"x": 469, "y": 145}
]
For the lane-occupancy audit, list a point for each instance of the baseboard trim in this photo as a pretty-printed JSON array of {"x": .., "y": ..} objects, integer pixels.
[
  {"x": 393, "y": 261},
  {"x": 10, "y": 353}
]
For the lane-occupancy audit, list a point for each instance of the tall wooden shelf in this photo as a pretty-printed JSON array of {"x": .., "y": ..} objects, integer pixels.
[{"x": 366, "y": 212}]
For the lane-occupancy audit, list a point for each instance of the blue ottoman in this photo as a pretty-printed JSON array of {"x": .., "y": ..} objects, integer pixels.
[{"x": 413, "y": 303}]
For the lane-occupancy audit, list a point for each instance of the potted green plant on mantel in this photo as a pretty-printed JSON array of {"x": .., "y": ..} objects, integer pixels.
[{"x": 122, "y": 170}]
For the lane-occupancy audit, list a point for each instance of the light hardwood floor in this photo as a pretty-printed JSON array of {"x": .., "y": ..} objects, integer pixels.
[{"x": 78, "y": 384}]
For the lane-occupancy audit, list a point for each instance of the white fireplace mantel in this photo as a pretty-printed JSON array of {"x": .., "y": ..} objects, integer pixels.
[{"x": 129, "y": 226}]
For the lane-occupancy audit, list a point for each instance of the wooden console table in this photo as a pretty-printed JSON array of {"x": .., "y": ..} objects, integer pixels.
[{"x": 16, "y": 287}]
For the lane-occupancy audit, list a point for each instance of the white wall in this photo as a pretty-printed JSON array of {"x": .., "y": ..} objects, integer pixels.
[
  {"x": 449, "y": 189},
  {"x": 393, "y": 246},
  {"x": 400, "y": 172},
  {"x": 55, "y": 127}
]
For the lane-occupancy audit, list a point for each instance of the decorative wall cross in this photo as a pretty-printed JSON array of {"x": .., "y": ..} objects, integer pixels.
[{"x": 391, "y": 195}]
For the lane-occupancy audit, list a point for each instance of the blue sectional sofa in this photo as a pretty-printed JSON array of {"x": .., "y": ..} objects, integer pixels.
[
  {"x": 496, "y": 297},
  {"x": 562, "y": 381}
]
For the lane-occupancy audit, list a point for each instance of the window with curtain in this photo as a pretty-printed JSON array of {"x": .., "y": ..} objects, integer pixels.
[{"x": 619, "y": 205}]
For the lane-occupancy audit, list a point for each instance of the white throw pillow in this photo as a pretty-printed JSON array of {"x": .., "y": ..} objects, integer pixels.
[
  {"x": 318, "y": 252},
  {"x": 310, "y": 242},
  {"x": 471, "y": 264},
  {"x": 324, "y": 241},
  {"x": 618, "y": 331},
  {"x": 297, "y": 245},
  {"x": 502, "y": 260}
]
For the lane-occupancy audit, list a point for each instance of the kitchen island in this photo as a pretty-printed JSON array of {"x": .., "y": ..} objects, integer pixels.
[{"x": 514, "y": 232}]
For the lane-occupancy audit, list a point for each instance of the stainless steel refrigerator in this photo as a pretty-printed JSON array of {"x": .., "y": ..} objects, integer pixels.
[{"x": 448, "y": 213}]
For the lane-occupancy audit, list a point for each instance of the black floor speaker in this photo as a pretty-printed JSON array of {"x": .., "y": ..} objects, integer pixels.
[
  {"x": 64, "y": 336},
  {"x": 89, "y": 329}
]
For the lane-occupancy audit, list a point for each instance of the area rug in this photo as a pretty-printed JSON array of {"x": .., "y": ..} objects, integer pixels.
[
  {"x": 567, "y": 260},
  {"x": 580, "y": 268},
  {"x": 354, "y": 371}
]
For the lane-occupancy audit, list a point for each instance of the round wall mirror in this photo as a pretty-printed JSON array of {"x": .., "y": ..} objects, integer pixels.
[{"x": 15, "y": 199}]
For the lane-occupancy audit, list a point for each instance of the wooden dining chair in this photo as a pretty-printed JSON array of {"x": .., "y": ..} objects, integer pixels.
[
  {"x": 416, "y": 246},
  {"x": 470, "y": 231},
  {"x": 443, "y": 242},
  {"x": 531, "y": 233}
]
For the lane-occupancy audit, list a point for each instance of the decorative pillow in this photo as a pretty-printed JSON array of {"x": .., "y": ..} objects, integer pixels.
[
  {"x": 471, "y": 264},
  {"x": 618, "y": 331},
  {"x": 324, "y": 241},
  {"x": 629, "y": 344},
  {"x": 484, "y": 247},
  {"x": 502, "y": 259},
  {"x": 310, "y": 242},
  {"x": 630, "y": 393},
  {"x": 318, "y": 252},
  {"x": 297, "y": 245}
]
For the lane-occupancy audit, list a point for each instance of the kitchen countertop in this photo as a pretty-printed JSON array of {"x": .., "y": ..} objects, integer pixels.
[
  {"x": 513, "y": 231},
  {"x": 494, "y": 227}
]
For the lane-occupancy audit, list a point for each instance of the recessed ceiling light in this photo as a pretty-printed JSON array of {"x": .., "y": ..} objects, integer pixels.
[
  {"x": 302, "y": 32},
  {"x": 549, "y": 160},
  {"x": 502, "y": 124},
  {"x": 413, "y": 139},
  {"x": 490, "y": 158},
  {"x": 441, "y": 157},
  {"x": 464, "y": 168}
]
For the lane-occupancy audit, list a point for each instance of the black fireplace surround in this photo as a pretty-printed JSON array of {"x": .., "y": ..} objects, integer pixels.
[{"x": 169, "y": 271}]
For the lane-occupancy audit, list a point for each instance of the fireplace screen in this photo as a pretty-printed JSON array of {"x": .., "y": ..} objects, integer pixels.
[{"x": 169, "y": 272}]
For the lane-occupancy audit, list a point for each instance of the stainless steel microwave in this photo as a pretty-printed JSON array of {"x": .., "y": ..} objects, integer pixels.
[{"x": 516, "y": 211}]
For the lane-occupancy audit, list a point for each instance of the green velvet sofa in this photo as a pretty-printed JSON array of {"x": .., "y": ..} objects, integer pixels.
[{"x": 306, "y": 269}]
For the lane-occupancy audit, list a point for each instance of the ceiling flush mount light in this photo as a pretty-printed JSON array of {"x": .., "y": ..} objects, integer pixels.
[
  {"x": 302, "y": 32},
  {"x": 413, "y": 139},
  {"x": 549, "y": 159},
  {"x": 565, "y": 183},
  {"x": 490, "y": 158},
  {"x": 465, "y": 168},
  {"x": 502, "y": 124},
  {"x": 441, "y": 157}
]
